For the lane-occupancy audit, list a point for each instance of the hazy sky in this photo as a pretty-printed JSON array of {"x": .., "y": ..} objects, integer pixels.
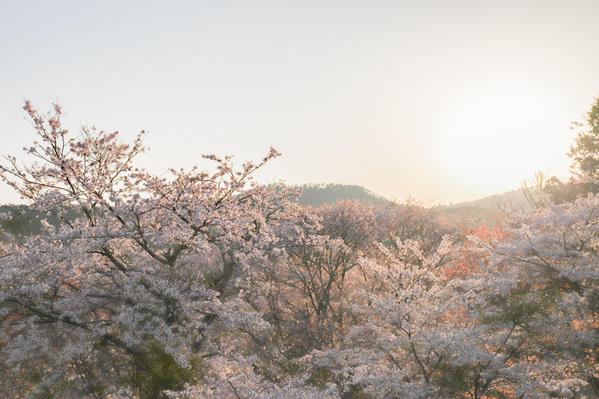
[{"x": 440, "y": 100}]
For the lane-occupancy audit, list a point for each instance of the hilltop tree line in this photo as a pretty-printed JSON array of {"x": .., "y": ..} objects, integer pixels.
[
  {"x": 584, "y": 154},
  {"x": 209, "y": 285}
]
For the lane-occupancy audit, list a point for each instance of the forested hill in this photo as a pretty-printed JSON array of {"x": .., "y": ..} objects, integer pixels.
[
  {"x": 318, "y": 194},
  {"x": 21, "y": 220}
]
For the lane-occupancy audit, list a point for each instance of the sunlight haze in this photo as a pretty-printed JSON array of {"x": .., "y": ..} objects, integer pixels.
[{"x": 440, "y": 101}]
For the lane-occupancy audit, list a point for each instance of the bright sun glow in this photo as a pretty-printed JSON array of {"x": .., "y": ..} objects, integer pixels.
[{"x": 497, "y": 140}]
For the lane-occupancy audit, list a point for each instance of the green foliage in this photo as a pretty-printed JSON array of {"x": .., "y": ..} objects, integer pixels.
[
  {"x": 584, "y": 154},
  {"x": 521, "y": 306},
  {"x": 585, "y": 151},
  {"x": 356, "y": 392},
  {"x": 561, "y": 192},
  {"x": 157, "y": 371},
  {"x": 320, "y": 377},
  {"x": 453, "y": 380},
  {"x": 20, "y": 221}
]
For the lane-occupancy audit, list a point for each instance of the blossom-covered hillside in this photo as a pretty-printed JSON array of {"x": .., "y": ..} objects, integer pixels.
[{"x": 206, "y": 284}]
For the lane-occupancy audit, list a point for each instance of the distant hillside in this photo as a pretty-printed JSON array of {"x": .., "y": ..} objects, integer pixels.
[
  {"x": 487, "y": 210},
  {"x": 515, "y": 200},
  {"x": 19, "y": 220},
  {"x": 318, "y": 194}
]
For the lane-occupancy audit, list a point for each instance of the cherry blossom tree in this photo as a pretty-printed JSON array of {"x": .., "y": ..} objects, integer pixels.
[
  {"x": 140, "y": 269},
  {"x": 542, "y": 289}
]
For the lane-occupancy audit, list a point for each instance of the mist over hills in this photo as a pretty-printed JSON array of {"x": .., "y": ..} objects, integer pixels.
[
  {"x": 515, "y": 200},
  {"x": 488, "y": 210},
  {"x": 318, "y": 194}
]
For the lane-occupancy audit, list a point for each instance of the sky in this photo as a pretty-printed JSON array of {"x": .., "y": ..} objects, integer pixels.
[{"x": 441, "y": 101}]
